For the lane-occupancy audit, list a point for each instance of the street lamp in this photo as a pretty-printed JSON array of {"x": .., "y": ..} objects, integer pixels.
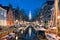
[{"x": 16, "y": 20}]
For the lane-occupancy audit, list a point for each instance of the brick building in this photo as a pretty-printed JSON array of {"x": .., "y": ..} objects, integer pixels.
[{"x": 10, "y": 19}]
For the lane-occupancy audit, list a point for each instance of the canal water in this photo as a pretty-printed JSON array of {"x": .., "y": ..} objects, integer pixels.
[{"x": 32, "y": 35}]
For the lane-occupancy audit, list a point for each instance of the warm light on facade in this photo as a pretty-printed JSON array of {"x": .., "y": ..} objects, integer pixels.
[
  {"x": 10, "y": 19},
  {"x": 58, "y": 17},
  {"x": 3, "y": 13}
]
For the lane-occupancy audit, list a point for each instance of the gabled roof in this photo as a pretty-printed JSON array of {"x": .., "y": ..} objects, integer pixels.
[{"x": 5, "y": 7}]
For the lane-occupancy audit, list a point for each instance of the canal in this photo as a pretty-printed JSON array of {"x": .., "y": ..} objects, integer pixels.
[
  {"x": 28, "y": 34},
  {"x": 31, "y": 34}
]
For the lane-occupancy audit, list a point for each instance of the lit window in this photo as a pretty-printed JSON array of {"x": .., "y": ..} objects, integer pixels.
[
  {"x": 1, "y": 13},
  {"x": 4, "y": 14}
]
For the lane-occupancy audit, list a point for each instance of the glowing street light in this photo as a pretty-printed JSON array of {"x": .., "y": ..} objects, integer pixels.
[{"x": 16, "y": 20}]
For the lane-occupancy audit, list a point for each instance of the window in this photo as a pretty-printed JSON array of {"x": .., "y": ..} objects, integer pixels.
[
  {"x": 1, "y": 13},
  {"x": 4, "y": 14}
]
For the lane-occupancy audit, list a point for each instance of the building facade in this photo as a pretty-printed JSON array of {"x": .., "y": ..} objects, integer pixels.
[
  {"x": 3, "y": 17},
  {"x": 47, "y": 12},
  {"x": 10, "y": 18}
]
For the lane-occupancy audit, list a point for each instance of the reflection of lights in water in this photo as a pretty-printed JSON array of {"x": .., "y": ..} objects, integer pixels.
[
  {"x": 22, "y": 32},
  {"x": 16, "y": 37},
  {"x": 29, "y": 31},
  {"x": 30, "y": 16}
]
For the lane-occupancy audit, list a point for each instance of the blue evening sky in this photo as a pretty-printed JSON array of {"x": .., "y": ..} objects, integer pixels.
[{"x": 28, "y": 5}]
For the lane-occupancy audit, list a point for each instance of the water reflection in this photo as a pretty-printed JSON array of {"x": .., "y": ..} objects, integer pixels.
[
  {"x": 32, "y": 35},
  {"x": 28, "y": 34}
]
